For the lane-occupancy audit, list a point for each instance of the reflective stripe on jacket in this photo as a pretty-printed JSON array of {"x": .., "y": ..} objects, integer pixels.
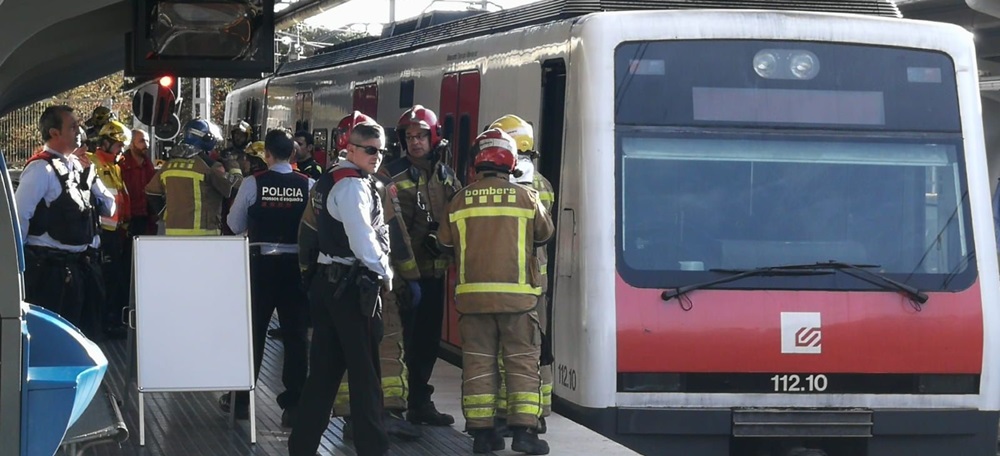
[
  {"x": 194, "y": 196},
  {"x": 494, "y": 227}
]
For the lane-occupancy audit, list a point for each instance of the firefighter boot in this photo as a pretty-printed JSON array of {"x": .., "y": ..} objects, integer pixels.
[
  {"x": 526, "y": 441},
  {"x": 486, "y": 441},
  {"x": 502, "y": 429},
  {"x": 428, "y": 414}
]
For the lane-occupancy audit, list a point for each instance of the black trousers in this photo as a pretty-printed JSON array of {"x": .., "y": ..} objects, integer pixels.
[
  {"x": 422, "y": 337},
  {"x": 343, "y": 340},
  {"x": 69, "y": 284},
  {"x": 275, "y": 283},
  {"x": 117, "y": 270}
]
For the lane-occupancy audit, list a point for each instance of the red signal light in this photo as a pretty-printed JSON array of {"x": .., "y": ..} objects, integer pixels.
[{"x": 167, "y": 81}]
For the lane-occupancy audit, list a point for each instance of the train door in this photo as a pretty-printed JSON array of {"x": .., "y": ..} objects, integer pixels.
[
  {"x": 303, "y": 110},
  {"x": 366, "y": 99},
  {"x": 252, "y": 113},
  {"x": 459, "y": 116},
  {"x": 549, "y": 143}
]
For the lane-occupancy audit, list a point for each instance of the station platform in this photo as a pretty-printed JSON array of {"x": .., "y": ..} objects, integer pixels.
[{"x": 191, "y": 424}]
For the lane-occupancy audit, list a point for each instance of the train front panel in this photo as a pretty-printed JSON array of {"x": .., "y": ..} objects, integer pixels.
[{"x": 793, "y": 204}]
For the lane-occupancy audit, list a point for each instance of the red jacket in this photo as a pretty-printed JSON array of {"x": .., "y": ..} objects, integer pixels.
[{"x": 136, "y": 177}]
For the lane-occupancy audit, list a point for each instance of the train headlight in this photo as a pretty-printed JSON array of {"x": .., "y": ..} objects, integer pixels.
[
  {"x": 765, "y": 63},
  {"x": 804, "y": 65},
  {"x": 786, "y": 64}
]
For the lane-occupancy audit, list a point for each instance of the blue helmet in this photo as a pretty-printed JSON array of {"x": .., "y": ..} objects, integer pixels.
[{"x": 202, "y": 134}]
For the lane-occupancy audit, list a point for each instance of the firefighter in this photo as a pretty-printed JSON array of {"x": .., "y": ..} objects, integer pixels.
[
  {"x": 424, "y": 184},
  {"x": 495, "y": 226},
  {"x": 268, "y": 207},
  {"x": 255, "y": 158},
  {"x": 110, "y": 148},
  {"x": 395, "y": 388},
  {"x": 100, "y": 117},
  {"x": 352, "y": 266},
  {"x": 304, "y": 155},
  {"x": 239, "y": 150},
  {"x": 524, "y": 137},
  {"x": 58, "y": 201},
  {"x": 192, "y": 187}
]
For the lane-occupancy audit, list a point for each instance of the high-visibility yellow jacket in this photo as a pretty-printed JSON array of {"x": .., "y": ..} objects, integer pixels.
[
  {"x": 111, "y": 175},
  {"x": 494, "y": 227},
  {"x": 194, "y": 195}
]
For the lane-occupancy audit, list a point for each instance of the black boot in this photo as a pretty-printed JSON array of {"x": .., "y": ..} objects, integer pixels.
[
  {"x": 486, "y": 441},
  {"x": 542, "y": 428},
  {"x": 526, "y": 441},
  {"x": 348, "y": 429},
  {"x": 428, "y": 414},
  {"x": 501, "y": 427}
]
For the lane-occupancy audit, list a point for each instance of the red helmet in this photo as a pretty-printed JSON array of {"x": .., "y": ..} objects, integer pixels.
[
  {"x": 346, "y": 126},
  {"x": 496, "y": 149},
  {"x": 422, "y": 117}
]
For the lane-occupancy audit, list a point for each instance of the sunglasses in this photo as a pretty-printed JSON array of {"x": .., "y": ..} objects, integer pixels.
[{"x": 371, "y": 150}]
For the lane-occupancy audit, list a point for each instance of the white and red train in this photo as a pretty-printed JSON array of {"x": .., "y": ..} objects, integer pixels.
[{"x": 767, "y": 220}]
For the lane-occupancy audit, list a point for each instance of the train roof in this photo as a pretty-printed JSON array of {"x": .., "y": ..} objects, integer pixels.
[{"x": 548, "y": 11}]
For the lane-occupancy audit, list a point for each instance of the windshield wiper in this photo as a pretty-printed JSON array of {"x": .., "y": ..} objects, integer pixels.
[
  {"x": 857, "y": 271},
  {"x": 737, "y": 274}
]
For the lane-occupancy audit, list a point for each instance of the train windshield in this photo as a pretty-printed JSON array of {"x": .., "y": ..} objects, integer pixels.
[{"x": 726, "y": 178}]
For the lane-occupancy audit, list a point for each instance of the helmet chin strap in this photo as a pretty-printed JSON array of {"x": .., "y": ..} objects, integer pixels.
[{"x": 527, "y": 169}]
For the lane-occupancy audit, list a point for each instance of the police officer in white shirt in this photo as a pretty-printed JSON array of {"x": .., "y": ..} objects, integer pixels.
[
  {"x": 59, "y": 200},
  {"x": 347, "y": 327}
]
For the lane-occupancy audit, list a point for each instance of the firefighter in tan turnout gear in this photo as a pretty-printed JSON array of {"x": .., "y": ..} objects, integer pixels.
[
  {"x": 424, "y": 183},
  {"x": 191, "y": 187},
  {"x": 494, "y": 227},
  {"x": 393, "y": 370},
  {"x": 524, "y": 137}
]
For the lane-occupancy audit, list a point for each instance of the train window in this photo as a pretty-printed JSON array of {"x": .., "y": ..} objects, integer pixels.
[
  {"x": 464, "y": 143},
  {"x": 699, "y": 203},
  {"x": 448, "y": 128},
  {"x": 406, "y": 93}
]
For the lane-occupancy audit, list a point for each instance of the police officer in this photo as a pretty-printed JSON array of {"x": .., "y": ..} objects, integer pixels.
[
  {"x": 58, "y": 201},
  {"x": 391, "y": 350},
  {"x": 495, "y": 225},
  {"x": 191, "y": 186},
  {"x": 268, "y": 207},
  {"x": 304, "y": 157},
  {"x": 424, "y": 184},
  {"x": 524, "y": 137},
  {"x": 111, "y": 142},
  {"x": 353, "y": 265}
]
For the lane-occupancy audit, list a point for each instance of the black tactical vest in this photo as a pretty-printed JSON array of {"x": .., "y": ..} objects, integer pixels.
[
  {"x": 281, "y": 198},
  {"x": 71, "y": 219},
  {"x": 332, "y": 235}
]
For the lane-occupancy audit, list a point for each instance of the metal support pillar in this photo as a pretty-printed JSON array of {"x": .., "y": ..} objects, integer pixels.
[{"x": 201, "y": 98}]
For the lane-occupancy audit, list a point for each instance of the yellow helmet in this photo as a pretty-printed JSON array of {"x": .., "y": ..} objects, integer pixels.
[
  {"x": 116, "y": 131},
  {"x": 100, "y": 116},
  {"x": 256, "y": 149},
  {"x": 522, "y": 131}
]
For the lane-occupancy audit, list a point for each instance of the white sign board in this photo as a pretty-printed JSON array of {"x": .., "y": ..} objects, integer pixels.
[{"x": 193, "y": 320}]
